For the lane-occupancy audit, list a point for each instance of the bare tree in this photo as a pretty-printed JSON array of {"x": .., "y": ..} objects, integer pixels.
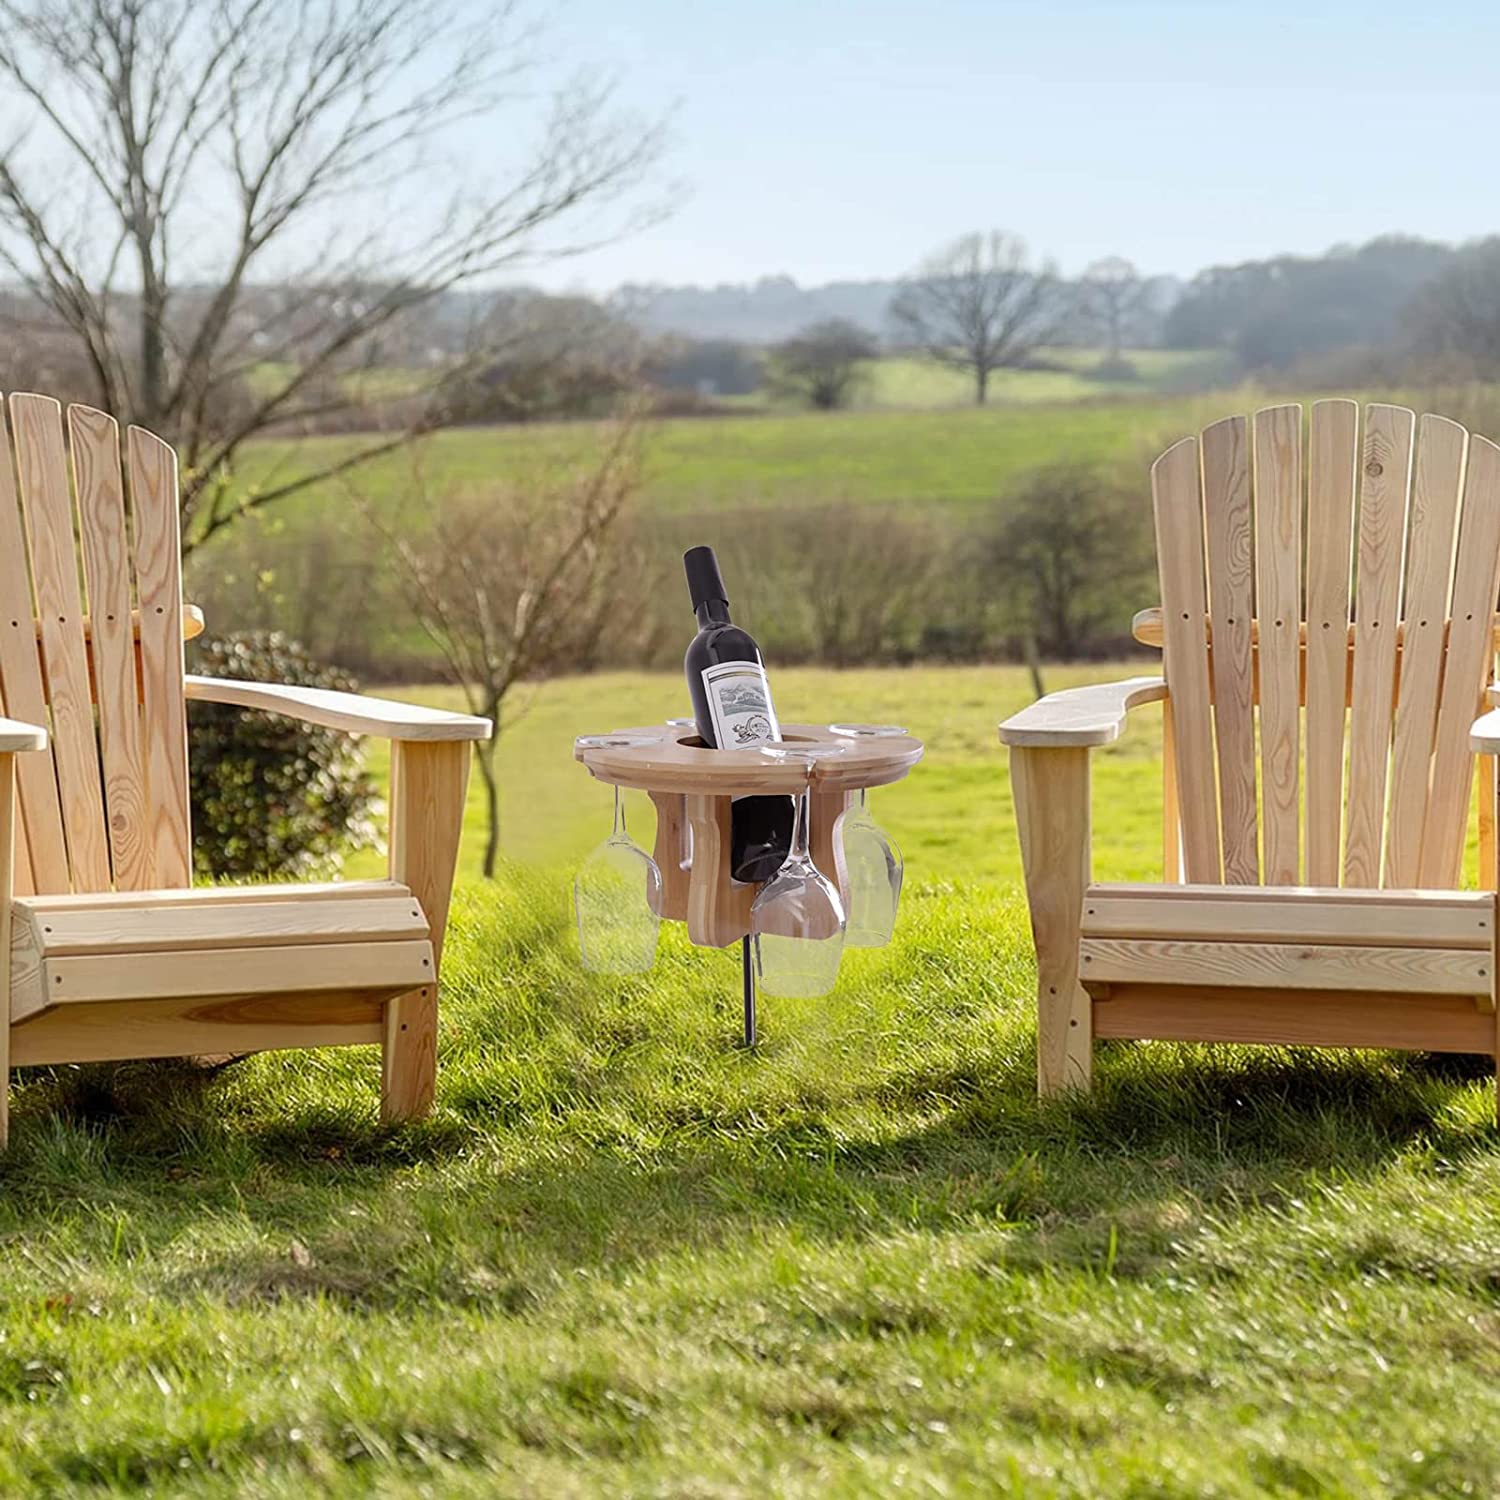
[
  {"x": 823, "y": 364},
  {"x": 979, "y": 306},
  {"x": 1112, "y": 292},
  {"x": 229, "y": 202},
  {"x": 1065, "y": 544},
  {"x": 518, "y": 584}
]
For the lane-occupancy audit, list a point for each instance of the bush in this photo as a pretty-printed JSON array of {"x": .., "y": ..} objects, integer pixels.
[{"x": 271, "y": 796}]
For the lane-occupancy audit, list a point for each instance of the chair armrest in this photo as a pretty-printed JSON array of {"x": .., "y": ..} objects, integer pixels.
[
  {"x": 1080, "y": 717},
  {"x": 16, "y": 736},
  {"x": 350, "y": 711},
  {"x": 1484, "y": 732}
]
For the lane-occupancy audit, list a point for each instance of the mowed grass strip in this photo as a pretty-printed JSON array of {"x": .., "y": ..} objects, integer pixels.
[{"x": 626, "y": 1258}]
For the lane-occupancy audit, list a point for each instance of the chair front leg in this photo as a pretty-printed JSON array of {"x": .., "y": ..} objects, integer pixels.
[
  {"x": 7, "y": 890},
  {"x": 429, "y": 780},
  {"x": 1051, "y": 790}
]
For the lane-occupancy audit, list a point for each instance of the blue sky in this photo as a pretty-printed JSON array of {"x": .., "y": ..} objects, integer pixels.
[{"x": 830, "y": 140}]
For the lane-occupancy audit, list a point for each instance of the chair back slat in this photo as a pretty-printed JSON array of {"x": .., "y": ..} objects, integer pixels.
[
  {"x": 1278, "y": 579},
  {"x": 91, "y": 630},
  {"x": 1385, "y": 478},
  {"x": 1442, "y": 447},
  {"x": 1231, "y": 606},
  {"x": 41, "y": 863},
  {"x": 47, "y": 505},
  {"x": 1178, "y": 502},
  {"x": 1332, "y": 458},
  {"x": 95, "y": 442},
  {"x": 1467, "y": 666},
  {"x": 158, "y": 565},
  {"x": 1358, "y": 665}
]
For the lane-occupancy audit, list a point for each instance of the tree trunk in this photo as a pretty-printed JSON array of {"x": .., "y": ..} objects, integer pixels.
[
  {"x": 486, "y": 757},
  {"x": 981, "y": 384},
  {"x": 485, "y": 753}
]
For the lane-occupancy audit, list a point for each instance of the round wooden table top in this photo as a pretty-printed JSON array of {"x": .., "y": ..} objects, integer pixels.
[{"x": 672, "y": 758}]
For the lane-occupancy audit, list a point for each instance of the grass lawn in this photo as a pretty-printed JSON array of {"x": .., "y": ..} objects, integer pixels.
[
  {"x": 958, "y": 457},
  {"x": 625, "y": 1259}
]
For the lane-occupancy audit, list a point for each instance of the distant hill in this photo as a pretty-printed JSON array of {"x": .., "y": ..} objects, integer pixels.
[{"x": 776, "y": 307}]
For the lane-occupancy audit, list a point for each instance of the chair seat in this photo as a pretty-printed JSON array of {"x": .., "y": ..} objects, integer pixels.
[
  {"x": 1388, "y": 942},
  {"x": 365, "y": 940}
]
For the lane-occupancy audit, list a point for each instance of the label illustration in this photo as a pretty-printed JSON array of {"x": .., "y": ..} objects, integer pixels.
[{"x": 739, "y": 703}]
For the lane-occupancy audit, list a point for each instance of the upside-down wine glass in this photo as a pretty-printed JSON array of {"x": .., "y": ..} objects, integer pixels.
[
  {"x": 617, "y": 891},
  {"x": 797, "y": 920},
  {"x": 872, "y": 862}
]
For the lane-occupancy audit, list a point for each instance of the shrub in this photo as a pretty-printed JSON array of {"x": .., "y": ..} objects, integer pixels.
[{"x": 272, "y": 796}]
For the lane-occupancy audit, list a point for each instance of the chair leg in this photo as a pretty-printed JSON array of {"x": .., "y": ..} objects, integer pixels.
[
  {"x": 428, "y": 784},
  {"x": 1051, "y": 791},
  {"x": 7, "y": 887}
]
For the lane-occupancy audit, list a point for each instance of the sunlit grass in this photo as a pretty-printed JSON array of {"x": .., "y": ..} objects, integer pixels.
[{"x": 626, "y": 1258}]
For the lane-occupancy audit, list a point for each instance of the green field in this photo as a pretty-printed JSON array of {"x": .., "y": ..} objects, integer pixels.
[
  {"x": 897, "y": 381},
  {"x": 624, "y": 1258},
  {"x": 955, "y": 457}
]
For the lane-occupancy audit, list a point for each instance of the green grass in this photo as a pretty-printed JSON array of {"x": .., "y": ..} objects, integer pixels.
[
  {"x": 897, "y": 381},
  {"x": 623, "y": 1258},
  {"x": 955, "y": 458}
]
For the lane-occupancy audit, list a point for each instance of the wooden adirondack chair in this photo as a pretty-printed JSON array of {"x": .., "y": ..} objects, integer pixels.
[
  {"x": 107, "y": 952},
  {"x": 1321, "y": 903}
]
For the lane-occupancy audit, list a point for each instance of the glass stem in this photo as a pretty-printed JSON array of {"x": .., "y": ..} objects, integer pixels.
[
  {"x": 619, "y": 832},
  {"x": 800, "y": 814}
]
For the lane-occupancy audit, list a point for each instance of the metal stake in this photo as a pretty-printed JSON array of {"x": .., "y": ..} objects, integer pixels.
[{"x": 749, "y": 976}]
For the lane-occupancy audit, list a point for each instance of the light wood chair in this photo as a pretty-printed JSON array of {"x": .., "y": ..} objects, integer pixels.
[
  {"x": 1318, "y": 758},
  {"x": 106, "y": 950}
]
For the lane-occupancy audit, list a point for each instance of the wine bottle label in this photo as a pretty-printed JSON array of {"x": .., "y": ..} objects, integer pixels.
[{"x": 739, "y": 702}]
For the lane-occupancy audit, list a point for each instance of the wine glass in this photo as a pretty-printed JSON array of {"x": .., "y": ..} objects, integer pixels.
[
  {"x": 797, "y": 920},
  {"x": 617, "y": 891},
  {"x": 872, "y": 863}
]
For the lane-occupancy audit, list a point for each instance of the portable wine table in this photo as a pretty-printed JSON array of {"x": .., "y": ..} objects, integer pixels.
[{"x": 693, "y": 786}]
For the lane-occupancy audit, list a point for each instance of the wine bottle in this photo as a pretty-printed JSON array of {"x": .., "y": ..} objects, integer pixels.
[{"x": 732, "y": 707}]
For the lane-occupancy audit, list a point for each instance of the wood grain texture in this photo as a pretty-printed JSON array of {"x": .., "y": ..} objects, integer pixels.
[
  {"x": 671, "y": 760},
  {"x": 1467, "y": 667},
  {"x": 1171, "y": 813},
  {"x": 1421, "y": 1023},
  {"x": 1051, "y": 789},
  {"x": 1385, "y": 480},
  {"x": 110, "y": 633},
  {"x": 1274, "y": 914},
  {"x": 1231, "y": 605},
  {"x": 429, "y": 781},
  {"x": 158, "y": 568},
  {"x": 1177, "y": 502},
  {"x": 718, "y": 906},
  {"x": 47, "y": 504},
  {"x": 1081, "y": 717},
  {"x": 1333, "y": 456},
  {"x": 1485, "y": 788},
  {"x": 825, "y": 838},
  {"x": 78, "y": 930},
  {"x": 353, "y": 712},
  {"x": 1278, "y": 577},
  {"x": 196, "y": 1026},
  {"x": 41, "y": 861},
  {"x": 219, "y": 895},
  {"x": 386, "y": 967},
  {"x": 1147, "y": 628},
  {"x": 1297, "y": 966},
  {"x": 7, "y": 866},
  {"x": 1432, "y": 529},
  {"x": 671, "y": 849}
]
